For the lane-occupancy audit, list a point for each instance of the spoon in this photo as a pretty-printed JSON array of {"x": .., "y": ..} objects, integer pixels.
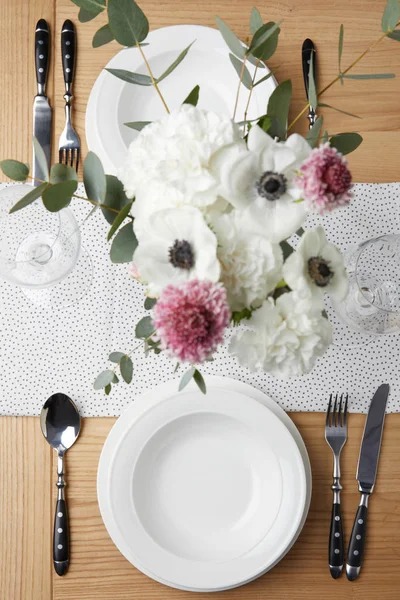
[{"x": 60, "y": 423}]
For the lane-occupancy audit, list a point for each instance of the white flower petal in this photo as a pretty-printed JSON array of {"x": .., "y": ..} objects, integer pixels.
[{"x": 258, "y": 140}]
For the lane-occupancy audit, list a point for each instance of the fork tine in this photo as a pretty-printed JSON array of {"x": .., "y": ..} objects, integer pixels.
[
  {"x": 60, "y": 155},
  {"x": 78, "y": 154},
  {"x": 72, "y": 157},
  {"x": 340, "y": 414},
  {"x": 328, "y": 412},
  {"x": 345, "y": 411},
  {"x": 335, "y": 414}
]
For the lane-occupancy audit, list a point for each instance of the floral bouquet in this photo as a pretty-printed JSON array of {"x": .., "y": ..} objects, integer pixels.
[{"x": 205, "y": 208}]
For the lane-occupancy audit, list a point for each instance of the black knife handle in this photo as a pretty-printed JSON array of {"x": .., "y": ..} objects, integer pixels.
[
  {"x": 336, "y": 551},
  {"x": 355, "y": 551},
  {"x": 61, "y": 538},
  {"x": 68, "y": 51},
  {"x": 42, "y": 50}
]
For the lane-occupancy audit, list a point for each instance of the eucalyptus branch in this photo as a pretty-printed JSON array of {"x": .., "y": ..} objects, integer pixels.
[
  {"x": 238, "y": 89},
  {"x": 152, "y": 77},
  {"x": 251, "y": 91},
  {"x": 129, "y": 354}
]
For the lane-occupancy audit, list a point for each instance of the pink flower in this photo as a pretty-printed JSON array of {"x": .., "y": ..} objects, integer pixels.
[
  {"x": 134, "y": 271},
  {"x": 190, "y": 319},
  {"x": 325, "y": 180}
]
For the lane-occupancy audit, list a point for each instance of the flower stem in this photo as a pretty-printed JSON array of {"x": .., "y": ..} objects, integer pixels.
[
  {"x": 238, "y": 89},
  {"x": 250, "y": 92},
  {"x": 152, "y": 78}
]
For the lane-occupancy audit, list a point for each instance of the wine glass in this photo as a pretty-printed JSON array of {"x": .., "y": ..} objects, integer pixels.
[
  {"x": 372, "y": 305},
  {"x": 41, "y": 251}
]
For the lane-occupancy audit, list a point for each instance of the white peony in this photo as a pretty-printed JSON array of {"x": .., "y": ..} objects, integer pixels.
[
  {"x": 251, "y": 265},
  {"x": 168, "y": 163},
  {"x": 286, "y": 339},
  {"x": 316, "y": 267},
  {"x": 175, "y": 245},
  {"x": 260, "y": 179}
]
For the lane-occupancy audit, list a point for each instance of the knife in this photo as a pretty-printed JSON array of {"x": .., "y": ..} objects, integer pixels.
[
  {"x": 307, "y": 50},
  {"x": 41, "y": 107},
  {"x": 366, "y": 476}
]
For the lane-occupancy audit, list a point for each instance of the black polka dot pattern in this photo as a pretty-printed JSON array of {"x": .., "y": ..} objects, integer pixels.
[{"x": 44, "y": 352}]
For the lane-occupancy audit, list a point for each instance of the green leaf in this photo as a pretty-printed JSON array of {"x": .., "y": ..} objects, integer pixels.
[
  {"x": 131, "y": 77},
  {"x": 255, "y": 61},
  {"x": 265, "y": 123},
  {"x": 346, "y": 142},
  {"x": 121, "y": 216},
  {"x": 201, "y": 384},
  {"x": 149, "y": 303},
  {"x": 41, "y": 158},
  {"x": 325, "y": 137},
  {"x": 84, "y": 16},
  {"x": 138, "y": 125},
  {"x": 338, "y": 110},
  {"x": 103, "y": 36},
  {"x": 325, "y": 314},
  {"x": 144, "y": 328},
  {"x": 278, "y": 107},
  {"x": 313, "y": 134},
  {"x": 115, "y": 378},
  {"x": 30, "y": 197},
  {"x": 193, "y": 97},
  {"x": 60, "y": 172},
  {"x": 390, "y": 15},
  {"x": 14, "y": 169},
  {"x": 231, "y": 40},
  {"x": 270, "y": 74},
  {"x": 300, "y": 232},
  {"x": 127, "y": 21},
  {"x": 126, "y": 368},
  {"x": 238, "y": 65},
  {"x": 259, "y": 46},
  {"x": 94, "y": 178},
  {"x": 371, "y": 76},
  {"x": 115, "y": 198},
  {"x": 176, "y": 62},
  {"x": 58, "y": 196},
  {"x": 115, "y": 357},
  {"x": 93, "y": 6},
  {"x": 186, "y": 377},
  {"x": 238, "y": 315},
  {"x": 255, "y": 20},
  {"x": 124, "y": 245},
  {"x": 312, "y": 92},
  {"x": 177, "y": 367},
  {"x": 341, "y": 34},
  {"x": 105, "y": 378},
  {"x": 395, "y": 35},
  {"x": 286, "y": 248},
  {"x": 107, "y": 389}
]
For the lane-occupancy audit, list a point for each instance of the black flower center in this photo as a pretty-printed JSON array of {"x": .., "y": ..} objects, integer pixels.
[
  {"x": 271, "y": 185},
  {"x": 319, "y": 271},
  {"x": 181, "y": 255}
]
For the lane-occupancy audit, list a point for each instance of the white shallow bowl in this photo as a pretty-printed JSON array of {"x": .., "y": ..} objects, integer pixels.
[
  {"x": 113, "y": 102},
  {"x": 203, "y": 493}
]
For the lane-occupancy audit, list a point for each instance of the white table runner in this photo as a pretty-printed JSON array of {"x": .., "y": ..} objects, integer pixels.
[{"x": 44, "y": 352}]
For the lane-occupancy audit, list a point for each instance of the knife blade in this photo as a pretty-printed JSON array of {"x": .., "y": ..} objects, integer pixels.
[
  {"x": 366, "y": 477},
  {"x": 42, "y": 113},
  {"x": 307, "y": 50}
]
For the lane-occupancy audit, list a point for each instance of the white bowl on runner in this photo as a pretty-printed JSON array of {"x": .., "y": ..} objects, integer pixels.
[
  {"x": 167, "y": 449},
  {"x": 113, "y": 102}
]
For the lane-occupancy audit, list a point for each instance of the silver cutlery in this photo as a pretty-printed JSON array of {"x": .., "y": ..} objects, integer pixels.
[
  {"x": 366, "y": 476},
  {"x": 308, "y": 49},
  {"x": 69, "y": 145},
  {"x": 336, "y": 436},
  {"x": 42, "y": 114},
  {"x": 60, "y": 423}
]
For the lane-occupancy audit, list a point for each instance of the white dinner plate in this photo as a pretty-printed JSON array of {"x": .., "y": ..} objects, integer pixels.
[
  {"x": 113, "y": 102},
  {"x": 203, "y": 493}
]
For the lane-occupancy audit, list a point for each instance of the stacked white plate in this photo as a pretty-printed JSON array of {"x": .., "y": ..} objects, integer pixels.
[{"x": 204, "y": 492}]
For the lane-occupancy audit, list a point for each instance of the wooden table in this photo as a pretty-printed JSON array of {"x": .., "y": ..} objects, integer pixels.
[{"x": 27, "y": 469}]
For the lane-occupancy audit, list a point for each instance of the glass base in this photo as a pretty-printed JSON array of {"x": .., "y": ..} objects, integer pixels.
[
  {"x": 67, "y": 292},
  {"x": 343, "y": 335}
]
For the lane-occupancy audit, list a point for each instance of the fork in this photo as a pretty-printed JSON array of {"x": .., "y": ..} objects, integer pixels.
[
  {"x": 336, "y": 436},
  {"x": 69, "y": 145}
]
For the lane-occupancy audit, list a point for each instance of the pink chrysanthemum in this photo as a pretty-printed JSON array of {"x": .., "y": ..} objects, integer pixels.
[
  {"x": 190, "y": 319},
  {"x": 325, "y": 180}
]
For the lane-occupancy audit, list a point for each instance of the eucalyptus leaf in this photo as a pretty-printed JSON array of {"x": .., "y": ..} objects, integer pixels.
[
  {"x": 286, "y": 248},
  {"x": 300, "y": 232},
  {"x": 138, "y": 125},
  {"x": 270, "y": 74},
  {"x": 126, "y": 368},
  {"x": 186, "y": 378},
  {"x": 14, "y": 169},
  {"x": 255, "y": 20},
  {"x": 325, "y": 137},
  {"x": 231, "y": 40},
  {"x": 107, "y": 389},
  {"x": 30, "y": 197},
  {"x": 313, "y": 134},
  {"x": 58, "y": 196},
  {"x": 84, "y": 16},
  {"x": 91, "y": 6},
  {"x": 94, "y": 178},
  {"x": 265, "y": 123},
  {"x": 105, "y": 378},
  {"x": 239, "y": 315},
  {"x": 201, "y": 384},
  {"x": 395, "y": 35},
  {"x": 278, "y": 107},
  {"x": 257, "y": 62},
  {"x": 115, "y": 198},
  {"x": 193, "y": 97},
  {"x": 176, "y": 62},
  {"x": 40, "y": 157},
  {"x": 149, "y": 303},
  {"x": 242, "y": 72},
  {"x": 127, "y": 22},
  {"x": 258, "y": 46},
  {"x": 60, "y": 172},
  {"x": 130, "y": 77},
  {"x": 341, "y": 34},
  {"x": 115, "y": 357},
  {"x": 144, "y": 328},
  {"x": 177, "y": 367},
  {"x": 344, "y": 112},
  {"x": 121, "y": 216},
  {"x": 312, "y": 92},
  {"x": 124, "y": 245},
  {"x": 371, "y": 76},
  {"x": 346, "y": 142},
  {"x": 103, "y": 36},
  {"x": 390, "y": 15},
  {"x": 115, "y": 378}
]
